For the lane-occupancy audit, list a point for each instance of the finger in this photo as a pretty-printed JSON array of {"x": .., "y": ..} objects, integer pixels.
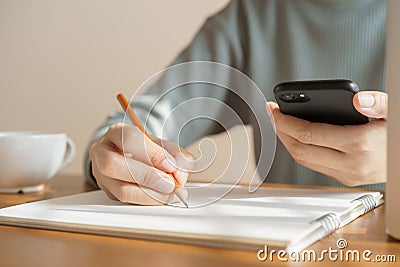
[
  {"x": 271, "y": 105},
  {"x": 134, "y": 143},
  {"x": 372, "y": 104},
  {"x": 333, "y": 169},
  {"x": 318, "y": 134},
  {"x": 317, "y": 155},
  {"x": 99, "y": 178},
  {"x": 108, "y": 194},
  {"x": 185, "y": 161},
  {"x": 335, "y": 174},
  {"x": 114, "y": 165},
  {"x": 134, "y": 194}
]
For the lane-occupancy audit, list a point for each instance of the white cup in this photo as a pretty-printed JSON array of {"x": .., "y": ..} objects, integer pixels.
[{"x": 29, "y": 159}]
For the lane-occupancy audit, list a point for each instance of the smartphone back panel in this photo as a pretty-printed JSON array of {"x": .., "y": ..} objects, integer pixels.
[{"x": 324, "y": 101}]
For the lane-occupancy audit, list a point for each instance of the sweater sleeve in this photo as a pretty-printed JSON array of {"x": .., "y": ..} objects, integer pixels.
[{"x": 221, "y": 39}]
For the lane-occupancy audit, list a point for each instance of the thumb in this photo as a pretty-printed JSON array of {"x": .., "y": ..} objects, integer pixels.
[{"x": 372, "y": 104}]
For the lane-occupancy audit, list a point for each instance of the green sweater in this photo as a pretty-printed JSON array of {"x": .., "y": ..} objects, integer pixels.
[{"x": 273, "y": 41}]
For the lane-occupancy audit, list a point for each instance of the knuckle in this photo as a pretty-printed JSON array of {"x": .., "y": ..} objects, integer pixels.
[
  {"x": 156, "y": 156},
  {"x": 114, "y": 128},
  {"x": 92, "y": 150},
  {"x": 362, "y": 144},
  {"x": 306, "y": 135},
  {"x": 131, "y": 135},
  {"x": 297, "y": 153},
  {"x": 364, "y": 171},
  {"x": 107, "y": 164},
  {"x": 153, "y": 154},
  {"x": 100, "y": 185},
  {"x": 149, "y": 177},
  {"x": 99, "y": 178}
]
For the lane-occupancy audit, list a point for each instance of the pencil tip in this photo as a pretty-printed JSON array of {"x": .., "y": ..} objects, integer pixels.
[
  {"x": 184, "y": 202},
  {"x": 182, "y": 195}
]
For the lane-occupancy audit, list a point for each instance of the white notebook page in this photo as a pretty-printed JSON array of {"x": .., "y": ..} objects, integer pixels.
[{"x": 272, "y": 216}]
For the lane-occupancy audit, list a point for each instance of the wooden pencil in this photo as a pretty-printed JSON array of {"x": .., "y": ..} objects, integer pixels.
[{"x": 135, "y": 121}]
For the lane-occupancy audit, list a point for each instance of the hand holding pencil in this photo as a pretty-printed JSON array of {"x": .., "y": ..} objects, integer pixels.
[
  {"x": 178, "y": 191},
  {"x": 153, "y": 173}
]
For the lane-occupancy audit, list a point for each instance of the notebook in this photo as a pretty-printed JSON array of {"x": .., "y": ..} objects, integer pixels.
[{"x": 284, "y": 217}]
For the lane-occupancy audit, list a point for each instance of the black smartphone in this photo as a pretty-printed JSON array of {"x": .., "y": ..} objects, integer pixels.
[{"x": 326, "y": 101}]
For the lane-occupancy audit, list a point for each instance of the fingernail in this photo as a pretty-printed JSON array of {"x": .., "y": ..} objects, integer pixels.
[
  {"x": 167, "y": 166},
  {"x": 366, "y": 100},
  {"x": 165, "y": 185}
]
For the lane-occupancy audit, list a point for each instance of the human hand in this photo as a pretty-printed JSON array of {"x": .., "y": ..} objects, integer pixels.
[
  {"x": 352, "y": 154},
  {"x": 142, "y": 175}
]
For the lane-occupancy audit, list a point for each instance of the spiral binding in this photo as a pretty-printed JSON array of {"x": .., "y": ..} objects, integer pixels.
[
  {"x": 368, "y": 202},
  {"x": 330, "y": 222}
]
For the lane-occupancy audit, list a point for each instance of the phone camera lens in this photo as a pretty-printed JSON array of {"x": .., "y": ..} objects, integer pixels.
[
  {"x": 287, "y": 97},
  {"x": 294, "y": 97}
]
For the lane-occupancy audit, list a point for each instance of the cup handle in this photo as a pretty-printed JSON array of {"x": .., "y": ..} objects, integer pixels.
[{"x": 69, "y": 153}]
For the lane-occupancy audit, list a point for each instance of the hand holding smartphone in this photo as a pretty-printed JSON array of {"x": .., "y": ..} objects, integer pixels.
[{"x": 324, "y": 101}]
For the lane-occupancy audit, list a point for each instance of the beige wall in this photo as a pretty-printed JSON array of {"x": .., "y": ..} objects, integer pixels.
[{"x": 62, "y": 62}]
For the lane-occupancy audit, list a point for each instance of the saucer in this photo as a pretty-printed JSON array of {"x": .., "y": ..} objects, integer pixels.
[{"x": 26, "y": 189}]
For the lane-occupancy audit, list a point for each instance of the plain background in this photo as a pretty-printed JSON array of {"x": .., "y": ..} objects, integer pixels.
[{"x": 62, "y": 62}]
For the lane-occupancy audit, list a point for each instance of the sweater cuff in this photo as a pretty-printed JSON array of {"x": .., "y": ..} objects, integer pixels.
[{"x": 88, "y": 172}]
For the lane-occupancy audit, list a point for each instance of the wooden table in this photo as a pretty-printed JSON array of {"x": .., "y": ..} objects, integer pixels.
[{"x": 33, "y": 247}]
